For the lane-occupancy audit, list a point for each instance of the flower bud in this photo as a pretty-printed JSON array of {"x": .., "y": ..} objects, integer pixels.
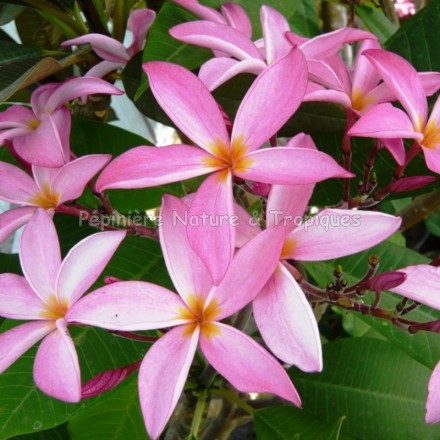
[
  {"x": 410, "y": 183},
  {"x": 387, "y": 281}
]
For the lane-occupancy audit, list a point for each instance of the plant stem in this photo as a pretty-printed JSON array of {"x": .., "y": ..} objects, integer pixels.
[{"x": 198, "y": 413}]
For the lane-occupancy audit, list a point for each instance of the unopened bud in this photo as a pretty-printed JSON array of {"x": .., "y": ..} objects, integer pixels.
[
  {"x": 260, "y": 189},
  {"x": 110, "y": 280},
  {"x": 410, "y": 183},
  {"x": 387, "y": 281},
  {"x": 107, "y": 380}
]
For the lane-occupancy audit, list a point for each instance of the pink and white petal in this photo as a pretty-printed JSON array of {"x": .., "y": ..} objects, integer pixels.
[
  {"x": 13, "y": 219},
  {"x": 245, "y": 364},
  {"x": 40, "y": 255},
  {"x": 384, "y": 121},
  {"x": 237, "y": 18},
  {"x": 328, "y": 44},
  {"x": 274, "y": 27},
  {"x": 403, "y": 79},
  {"x": 330, "y": 73},
  {"x": 140, "y": 22},
  {"x": 247, "y": 226},
  {"x": 84, "y": 263},
  {"x": 422, "y": 284},
  {"x": 77, "y": 87},
  {"x": 290, "y": 166},
  {"x": 432, "y": 158},
  {"x": 73, "y": 177},
  {"x": 163, "y": 374},
  {"x": 44, "y": 146},
  {"x": 43, "y": 176},
  {"x": 211, "y": 232},
  {"x": 128, "y": 305},
  {"x": 430, "y": 82},
  {"x": 287, "y": 323},
  {"x": 186, "y": 269},
  {"x": 56, "y": 366},
  {"x": 324, "y": 95},
  {"x": 187, "y": 101},
  {"x": 365, "y": 77},
  {"x": 16, "y": 186},
  {"x": 282, "y": 85},
  {"x": 217, "y": 36},
  {"x": 102, "y": 69},
  {"x": 105, "y": 47},
  {"x": 16, "y": 116},
  {"x": 240, "y": 286},
  {"x": 396, "y": 149},
  {"x": 17, "y": 299},
  {"x": 142, "y": 167},
  {"x": 40, "y": 97},
  {"x": 201, "y": 11},
  {"x": 433, "y": 402},
  {"x": 217, "y": 71},
  {"x": 324, "y": 236},
  {"x": 18, "y": 340}
]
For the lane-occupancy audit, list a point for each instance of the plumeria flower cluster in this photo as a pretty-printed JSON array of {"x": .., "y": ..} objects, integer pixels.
[{"x": 226, "y": 269}]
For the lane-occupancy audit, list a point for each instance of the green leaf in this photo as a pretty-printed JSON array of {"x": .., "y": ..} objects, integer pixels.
[
  {"x": 380, "y": 390},
  {"x": 10, "y": 263},
  {"x": 58, "y": 433},
  {"x": 9, "y": 12},
  {"x": 376, "y": 22},
  {"x": 433, "y": 223},
  {"x": 287, "y": 422},
  {"x": 115, "y": 417}
]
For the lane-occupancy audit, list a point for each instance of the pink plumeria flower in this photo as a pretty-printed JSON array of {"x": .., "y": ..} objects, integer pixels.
[
  {"x": 113, "y": 52},
  {"x": 193, "y": 109},
  {"x": 282, "y": 313},
  {"x": 422, "y": 284},
  {"x": 195, "y": 313},
  {"x": 244, "y": 55},
  {"x": 361, "y": 89},
  {"x": 48, "y": 188},
  {"x": 387, "y": 122},
  {"x": 44, "y": 295},
  {"x": 40, "y": 135}
]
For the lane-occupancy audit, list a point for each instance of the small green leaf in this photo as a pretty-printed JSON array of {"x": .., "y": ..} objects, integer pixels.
[{"x": 376, "y": 22}]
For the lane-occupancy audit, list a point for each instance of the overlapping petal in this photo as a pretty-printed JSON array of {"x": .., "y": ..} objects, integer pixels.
[
  {"x": 56, "y": 366},
  {"x": 84, "y": 263},
  {"x": 286, "y": 322},
  {"x": 13, "y": 219},
  {"x": 201, "y": 11},
  {"x": 245, "y": 364},
  {"x": 128, "y": 305},
  {"x": 162, "y": 376},
  {"x": 237, "y": 18},
  {"x": 16, "y": 186},
  {"x": 140, "y": 21},
  {"x": 433, "y": 402}
]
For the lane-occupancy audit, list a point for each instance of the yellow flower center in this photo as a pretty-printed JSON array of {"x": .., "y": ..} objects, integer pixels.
[
  {"x": 54, "y": 308},
  {"x": 46, "y": 198},
  {"x": 360, "y": 101},
  {"x": 431, "y": 135},
  {"x": 288, "y": 248},
  {"x": 33, "y": 124}
]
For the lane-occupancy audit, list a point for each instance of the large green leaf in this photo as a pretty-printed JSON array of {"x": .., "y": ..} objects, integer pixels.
[
  {"x": 58, "y": 433},
  {"x": 287, "y": 423},
  {"x": 376, "y": 22},
  {"x": 9, "y": 12},
  {"x": 380, "y": 390},
  {"x": 116, "y": 417}
]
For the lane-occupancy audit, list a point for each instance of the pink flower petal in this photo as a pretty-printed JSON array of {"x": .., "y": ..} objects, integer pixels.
[
  {"x": 324, "y": 95},
  {"x": 237, "y": 18},
  {"x": 286, "y": 322},
  {"x": 77, "y": 87},
  {"x": 142, "y": 167},
  {"x": 105, "y": 47},
  {"x": 330, "y": 72},
  {"x": 84, "y": 263},
  {"x": 13, "y": 219},
  {"x": 217, "y": 71},
  {"x": 403, "y": 79},
  {"x": 188, "y": 272},
  {"x": 140, "y": 22},
  {"x": 433, "y": 402},
  {"x": 432, "y": 158},
  {"x": 396, "y": 149},
  {"x": 56, "y": 366},
  {"x": 245, "y": 364},
  {"x": 16, "y": 186},
  {"x": 248, "y": 226},
  {"x": 282, "y": 86},
  {"x": 73, "y": 177},
  {"x": 274, "y": 27},
  {"x": 17, "y": 341},
  {"x": 128, "y": 305},
  {"x": 17, "y": 299},
  {"x": 422, "y": 284},
  {"x": 385, "y": 122},
  {"x": 102, "y": 69},
  {"x": 217, "y": 36},
  {"x": 324, "y": 236},
  {"x": 240, "y": 285},
  {"x": 211, "y": 232},
  {"x": 162, "y": 376},
  {"x": 430, "y": 82},
  {"x": 40, "y": 255},
  {"x": 16, "y": 116},
  {"x": 188, "y": 103},
  {"x": 201, "y": 11},
  {"x": 291, "y": 166},
  {"x": 44, "y": 146}
]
